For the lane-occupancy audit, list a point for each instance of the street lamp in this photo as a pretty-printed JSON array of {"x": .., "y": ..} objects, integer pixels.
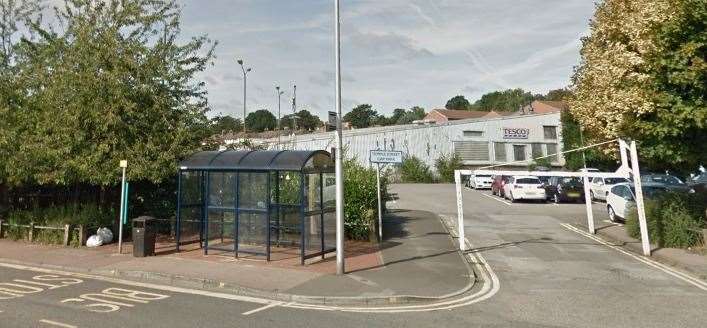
[
  {"x": 245, "y": 81},
  {"x": 279, "y": 93},
  {"x": 339, "y": 169}
]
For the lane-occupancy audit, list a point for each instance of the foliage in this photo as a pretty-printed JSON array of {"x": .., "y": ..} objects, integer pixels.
[
  {"x": 540, "y": 162},
  {"x": 673, "y": 219},
  {"x": 572, "y": 138},
  {"x": 305, "y": 121},
  {"x": 446, "y": 165},
  {"x": 414, "y": 170},
  {"x": 86, "y": 214},
  {"x": 225, "y": 124},
  {"x": 361, "y": 199},
  {"x": 415, "y": 113},
  {"x": 362, "y": 116},
  {"x": 556, "y": 95},
  {"x": 260, "y": 120},
  {"x": 507, "y": 100},
  {"x": 111, "y": 83},
  {"x": 642, "y": 76},
  {"x": 457, "y": 103}
]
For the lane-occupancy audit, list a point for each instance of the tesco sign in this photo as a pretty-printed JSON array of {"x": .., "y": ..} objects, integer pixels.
[{"x": 515, "y": 133}]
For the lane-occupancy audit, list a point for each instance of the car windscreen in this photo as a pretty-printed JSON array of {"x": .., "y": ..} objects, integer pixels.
[
  {"x": 667, "y": 179},
  {"x": 612, "y": 181},
  {"x": 651, "y": 192},
  {"x": 528, "y": 181}
]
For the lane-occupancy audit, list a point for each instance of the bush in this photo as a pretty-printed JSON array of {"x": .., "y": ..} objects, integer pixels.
[
  {"x": 361, "y": 199},
  {"x": 89, "y": 215},
  {"x": 673, "y": 220},
  {"x": 413, "y": 170},
  {"x": 446, "y": 165}
]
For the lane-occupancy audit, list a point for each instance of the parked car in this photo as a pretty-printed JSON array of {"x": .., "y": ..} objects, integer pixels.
[
  {"x": 699, "y": 183},
  {"x": 599, "y": 187},
  {"x": 622, "y": 198},
  {"x": 671, "y": 182},
  {"x": 481, "y": 181},
  {"x": 564, "y": 189},
  {"x": 497, "y": 183},
  {"x": 524, "y": 187}
]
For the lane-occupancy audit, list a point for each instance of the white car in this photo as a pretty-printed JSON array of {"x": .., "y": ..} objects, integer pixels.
[
  {"x": 480, "y": 181},
  {"x": 622, "y": 198},
  {"x": 599, "y": 187},
  {"x": 524, "y": 187}
]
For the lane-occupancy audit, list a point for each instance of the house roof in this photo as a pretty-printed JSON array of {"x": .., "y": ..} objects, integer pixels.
[
  {"x": 465, "y": 114},
  {"x": 546, "y": 106}
]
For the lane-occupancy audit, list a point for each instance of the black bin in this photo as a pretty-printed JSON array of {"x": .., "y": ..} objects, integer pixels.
[{"x": 144, "y": 236}]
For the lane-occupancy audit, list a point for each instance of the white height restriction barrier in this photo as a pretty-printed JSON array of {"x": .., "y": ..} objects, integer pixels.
[{"x": 624, "y": 171}]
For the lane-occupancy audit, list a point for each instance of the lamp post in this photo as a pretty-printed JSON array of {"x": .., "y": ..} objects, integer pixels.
[
  {"x": 245, "y": 82},
  {"x": 339, "y": 149},
  {"x": 294, "y": 110},
  {"x": 279, "y": 93},
  {"x": 123, "y": 166}
]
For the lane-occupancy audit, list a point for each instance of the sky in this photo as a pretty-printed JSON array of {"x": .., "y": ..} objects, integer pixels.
[{"x": 395, "y": 53}]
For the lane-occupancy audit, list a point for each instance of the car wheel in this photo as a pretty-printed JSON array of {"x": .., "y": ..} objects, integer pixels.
[
  {"x": 556, "y": 198},
  {"x": 511, "y": 198},
  {"x": 612, "y": 214},
  {"x": 591, "y": 195}
]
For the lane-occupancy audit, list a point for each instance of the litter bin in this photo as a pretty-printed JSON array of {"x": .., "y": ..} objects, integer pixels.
[{"x": 143, "y": 236}]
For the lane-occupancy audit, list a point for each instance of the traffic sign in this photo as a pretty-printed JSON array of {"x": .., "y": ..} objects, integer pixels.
[{"x": 386, "y": 156}]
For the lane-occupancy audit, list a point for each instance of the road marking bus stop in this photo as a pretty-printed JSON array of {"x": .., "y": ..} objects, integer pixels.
[
  {"x": 57, "y": 324},
  {"x": 263, "y": 308}
]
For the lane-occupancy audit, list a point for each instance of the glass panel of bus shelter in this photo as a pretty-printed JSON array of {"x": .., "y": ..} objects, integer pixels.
[
  {"x": 221, "y": 230},
  {"x": 222, "y": 189},
  {"x": 252, "y": 233},
  {"x": 191, "y": 206},
  {"x": 312, "y": 192},
  {"x": 288, "y": 188},
  {"x": 313, "y": 234},
  {"x": 253, "y": 191},
  {"x": 329, "y": 230},
  {"x": 329, "y": 191}
]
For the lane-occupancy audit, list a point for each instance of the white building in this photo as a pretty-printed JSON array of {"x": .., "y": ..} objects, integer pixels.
[{"x": 479, "y": 142}]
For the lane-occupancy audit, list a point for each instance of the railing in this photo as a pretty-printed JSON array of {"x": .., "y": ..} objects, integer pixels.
[{"x": 32, "y": 228}]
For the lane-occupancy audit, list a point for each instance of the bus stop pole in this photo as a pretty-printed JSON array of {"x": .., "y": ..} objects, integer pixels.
[
  {"x": 123, "y": 165},
  {"x": 380, "y": 206},
  {"x": 339, "y": 165}
]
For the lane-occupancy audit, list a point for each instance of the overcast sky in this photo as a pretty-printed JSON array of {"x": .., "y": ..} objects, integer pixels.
[{"x": 396, "y": 53}]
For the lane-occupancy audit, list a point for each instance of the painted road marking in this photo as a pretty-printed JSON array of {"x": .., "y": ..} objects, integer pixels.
[
  {"x": 497, "y": 199},
  {"x": 652, "y": 263},
  {"x": 19, "y": 288},
  {"x": 613, "y": 223},
  {"x": 57, "y": 324},
  {"x": 262, "y": 308},
  {"x": 108, "y": 300}
]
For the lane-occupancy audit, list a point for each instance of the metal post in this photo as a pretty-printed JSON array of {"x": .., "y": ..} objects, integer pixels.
[
  {"x": 205, "y": 213},
  {"x": 639, "y": 200},
  {"x": 279, "y": 93},
  {"x": 380, "y": 207},
  {"x": 267, "y": 219},
  {"x": 245, "y": 82},
  {"x": 303, "y": 227},
  {"x": 588, "y": 202},
  {"x": 321, "y": 209},
  {"x": 340, "y": 270},
  {"x": 178, "y": 234},
  {"x": 460, "y": 211},
  {"x": 294, "y": 110},
  {"x": 123, "y": 165}
]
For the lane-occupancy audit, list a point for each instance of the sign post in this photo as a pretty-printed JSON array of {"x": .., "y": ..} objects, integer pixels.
[
  {"x": 123, "y": 165},
  {"x": 383, "y": 157}
]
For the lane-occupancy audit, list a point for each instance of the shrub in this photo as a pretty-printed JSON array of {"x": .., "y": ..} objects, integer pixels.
[
  {"x": 361, "y": 199},
  {"x": 673, "y": 220},
  {"x": 446, "y": 165},
  {"x": 90, "y": 215},
  {"x": 416, "y": 171}
]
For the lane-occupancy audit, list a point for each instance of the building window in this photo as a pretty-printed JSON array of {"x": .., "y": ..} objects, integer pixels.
[
  {"x": 519, "y": 152},
  {"x": 552, "y": 149},
  {"x": 536, "y": 150},
  {"x": 473, "y": 133},
  {"x": 500, "y": 151},
  {"x": 472, "y": 150},
  {"x": 550, "y": 132}
]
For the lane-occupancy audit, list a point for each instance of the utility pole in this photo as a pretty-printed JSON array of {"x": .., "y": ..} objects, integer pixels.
[
  {"x": 294, "y": 110},
  {"x": 339, "y": 149},
  {"x": 279, "y": 93},
  {"x": 245, "y": 82}
]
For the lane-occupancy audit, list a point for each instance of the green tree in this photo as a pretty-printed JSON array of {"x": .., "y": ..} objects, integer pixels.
[
  {"x": 507, "y": 100},
  {"x": 362, "y": 116},
  {"x": 415, "y": 113},
  {"x": 111, "y": 82},
  {"x": 225, "y": 123},
  {"x": 414, "y": 170},
  {"x": 457, "y": 103},
  {"x": 304, "y": 120},
  {"x": 557, "y": 95},
  {"x": 446, "y": 165},
  {"x": 260, "y": 120}
]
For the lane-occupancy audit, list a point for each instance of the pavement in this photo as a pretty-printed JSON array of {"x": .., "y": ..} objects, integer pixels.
[{"x": 416, "y": 247}]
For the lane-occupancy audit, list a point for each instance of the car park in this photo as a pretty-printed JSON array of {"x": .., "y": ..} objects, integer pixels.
[
  {"x": 599, "y": 187},
  {"x": 564, "y": 189},
  {"x": 670, "y": 182},
  {"x": 524, "y": 187},
  {"x": 497, "y": 183},
  {"x": 622, "y": 198},
  {"x": 480, "y": 181}
]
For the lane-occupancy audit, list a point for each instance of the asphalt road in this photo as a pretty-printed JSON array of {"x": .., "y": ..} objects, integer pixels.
[{"x": 548, "y": 276}]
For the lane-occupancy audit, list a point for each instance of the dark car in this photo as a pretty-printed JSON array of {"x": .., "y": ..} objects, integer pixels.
[
  {"x": 497, "y": 183},
  {"x": 699, "y": 183},
  {"x": 671, "y": 182},
  {"x": 564, "y": 189}
]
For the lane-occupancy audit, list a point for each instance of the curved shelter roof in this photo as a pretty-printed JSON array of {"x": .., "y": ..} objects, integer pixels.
[{"x": 260, "y": 160}]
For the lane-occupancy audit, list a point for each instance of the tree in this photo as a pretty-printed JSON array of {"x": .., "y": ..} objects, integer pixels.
[
  {"x": 362, "y": 116},
  {"x": 415, "y": 113},
  {"x": 111, "y": 83},
  {"x": 642, "y": 76},
  {"x": 506, "y": 101},
  {"x": 457, "y": 103},
  {"x": 260, "y": 120},
  {"x": 557, "y": 95},
  {"x": 225, "y": 123},
  {"x": 304, "y": 119}
]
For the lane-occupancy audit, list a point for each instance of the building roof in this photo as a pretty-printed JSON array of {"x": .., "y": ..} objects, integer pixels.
[
  {"x": 465, "y": 114},
  {"x": 546, "y": 106}
]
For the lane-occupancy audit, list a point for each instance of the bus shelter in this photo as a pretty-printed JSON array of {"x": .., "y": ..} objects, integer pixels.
[{"x": 265, "y": 204}]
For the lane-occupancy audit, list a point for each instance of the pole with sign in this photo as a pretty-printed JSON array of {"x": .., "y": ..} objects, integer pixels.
[
  {"x": 383, "y": 157},
  {"x": 123, "y": 210}
]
